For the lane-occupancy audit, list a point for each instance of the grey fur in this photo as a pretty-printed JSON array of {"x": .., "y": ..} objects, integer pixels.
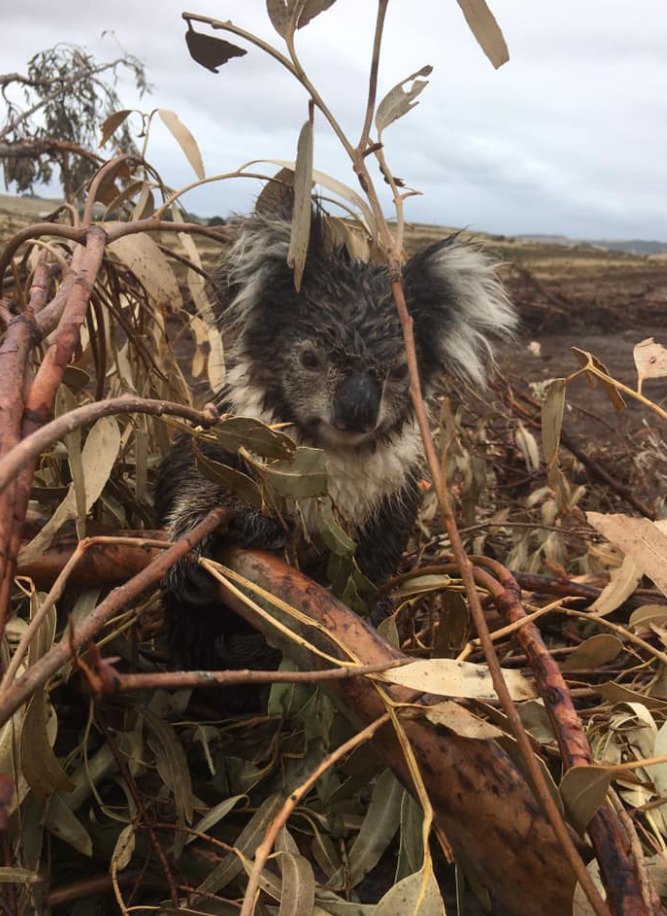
[{"x": 330, "y": 361}]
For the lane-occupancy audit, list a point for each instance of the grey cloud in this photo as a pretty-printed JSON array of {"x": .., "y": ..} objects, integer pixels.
[{"x": 569, "y": 137}]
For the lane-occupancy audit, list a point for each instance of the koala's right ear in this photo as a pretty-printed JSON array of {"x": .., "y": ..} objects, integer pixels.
[
  {"x": 277, "y": 197},
  {"x": 458, "y": 305}
]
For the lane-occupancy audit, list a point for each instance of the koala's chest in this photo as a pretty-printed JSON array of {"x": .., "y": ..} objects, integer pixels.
[{"x": 359, "y": 483}]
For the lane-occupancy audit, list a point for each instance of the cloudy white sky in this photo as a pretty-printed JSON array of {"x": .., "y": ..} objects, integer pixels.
[{"x": 569, "y": 137}]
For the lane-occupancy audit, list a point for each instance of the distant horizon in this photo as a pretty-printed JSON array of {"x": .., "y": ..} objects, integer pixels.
[{"x": 414, "y": 222}]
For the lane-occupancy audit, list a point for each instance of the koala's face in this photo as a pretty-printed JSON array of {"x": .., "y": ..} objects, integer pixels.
[{"x": 331, "y": 358}]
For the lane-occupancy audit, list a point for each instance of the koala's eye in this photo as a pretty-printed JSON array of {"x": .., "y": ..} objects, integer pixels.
[
  {"x": 310, "y": 358},
  {"x": 399, "y": 373}
]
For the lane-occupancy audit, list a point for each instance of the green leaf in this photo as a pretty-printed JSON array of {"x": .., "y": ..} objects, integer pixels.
[
  {"x": 376, "y": 833},
  {"x": 298, "y": 890},
  {"x": 333, "y": 534},
  {"x": 246, "y": 842},
  {"x": 64, "y": 824},
  {"x": 230, "y": 479},
  {"x": 172, "y": 765},
  {"x": 40, "y": 765},
  {"x": 299, "y": 477},
  {"x": 214, "y": 815},
  {"x": 411, "y": 850},
  {"x": 234, "y": 433}
]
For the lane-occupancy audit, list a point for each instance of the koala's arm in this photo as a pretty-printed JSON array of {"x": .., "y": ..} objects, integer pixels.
[
  {"x": 184, "y": 496},
  {"x": 381, "y": 542}
]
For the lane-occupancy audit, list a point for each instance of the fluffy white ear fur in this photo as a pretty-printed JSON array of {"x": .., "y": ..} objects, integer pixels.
[
  {"x": 476, "y": 311},
  {"x": 480, "y": 310}
]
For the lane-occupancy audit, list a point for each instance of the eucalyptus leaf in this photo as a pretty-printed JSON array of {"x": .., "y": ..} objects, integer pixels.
[
  {"x": 301, "y": 216},
  {"x": 185, "y": 140},
  {"x": 399, "y": 101},
  {"x": 40, "y": 765},
  {"x": 449, "y": 677},
  {"x": 301, "y": 476},
  {"x": 234, "y": 433},
  {"x": 230, "y": 478},
  {"x": 209, "y": 51},
  {"x": 112, "y": 123},
  {"x": 298, "y": 889},
  {"x": 583, "y": 789},
  {"x": 486, "y": 30}
]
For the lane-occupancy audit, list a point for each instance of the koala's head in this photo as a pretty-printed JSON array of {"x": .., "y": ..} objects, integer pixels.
[{"x": 330, "y": 358}]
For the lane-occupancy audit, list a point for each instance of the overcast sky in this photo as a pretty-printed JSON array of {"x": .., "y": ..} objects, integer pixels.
[{"x": 569, "y": 137}]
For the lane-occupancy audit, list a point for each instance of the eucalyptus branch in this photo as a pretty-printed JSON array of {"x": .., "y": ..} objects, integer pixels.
[
  {"x": 33, "y": 445},
  {"x": 591, "y": 368},
  {"x": 118, "y": 230},
  {"x": 373, "y": 78},
  {"x": 63, "y": 88},
  {"x": 296, "y": 795},
  {"x": 98, "y": 178},
  {"x": 223, "y": 176}
]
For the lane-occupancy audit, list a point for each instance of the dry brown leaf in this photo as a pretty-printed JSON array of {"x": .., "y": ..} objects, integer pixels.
[
  {"x": 303, "y": 185},
  {"x": 486, "y": 30},
  {"x": 461, "y": 721},
  {"x": 398, "y": 101},
  {"x": 450, "y": 678},
  {"x": 110, "y": 124},
  {"x": 645, "y": 541},
  {"x": 141, "y": 254},
  {"x": 185, "y": 140},
  {"x": 622, "y": 582},
  {"x": 583, "y": 789},
  {"x": 650, "y": 359},
  {"x": 593, "y": 652}
]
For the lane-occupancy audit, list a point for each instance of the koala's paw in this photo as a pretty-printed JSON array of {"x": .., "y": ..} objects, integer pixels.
[
  {"x": 250, "y": 528},
  {"x": 382, "y": 609},
  {"x": 189, "y": 582}
]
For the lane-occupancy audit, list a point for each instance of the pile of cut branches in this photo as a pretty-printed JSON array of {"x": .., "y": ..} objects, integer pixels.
[{"x": 507, "y": 720}]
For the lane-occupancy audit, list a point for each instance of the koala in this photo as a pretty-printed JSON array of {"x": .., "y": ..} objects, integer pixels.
[{"x": 329, "y": 361}]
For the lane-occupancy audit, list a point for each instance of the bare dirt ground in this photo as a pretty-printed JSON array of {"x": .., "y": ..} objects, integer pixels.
[{"x": 601, "y": 301}]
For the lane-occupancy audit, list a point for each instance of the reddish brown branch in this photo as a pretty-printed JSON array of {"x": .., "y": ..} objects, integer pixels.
[
  {"x": 31, "y": 447},
  {"x": 75, "y": 234},
  {"x": 620, "y": 873},
  {"x": 112, "y": 680},
  {"x": 475, "y": 790},
  {"x": 120, "y": 598},
  {"x": 41, "y": 397}
]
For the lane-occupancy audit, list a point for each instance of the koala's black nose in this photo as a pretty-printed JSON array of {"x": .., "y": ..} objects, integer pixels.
[{"x": 356, "y": 403}]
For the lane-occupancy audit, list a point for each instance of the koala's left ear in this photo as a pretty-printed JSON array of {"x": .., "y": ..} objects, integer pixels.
[{"x": 458, "y": 305}]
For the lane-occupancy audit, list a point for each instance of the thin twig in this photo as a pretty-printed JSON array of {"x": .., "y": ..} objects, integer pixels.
[
  {"x": 33, "y": 445},
  {"x": 39, "y": 673},
  {"x": 373, "y": 78},
  {"x": 264, "y": 849}
]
